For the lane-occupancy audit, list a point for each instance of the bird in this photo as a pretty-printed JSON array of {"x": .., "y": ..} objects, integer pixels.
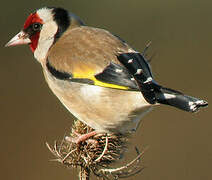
[{"x": 96, "y": 75}]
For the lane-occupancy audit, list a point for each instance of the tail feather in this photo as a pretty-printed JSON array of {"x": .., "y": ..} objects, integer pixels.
[
  {"x": 179, "y": 100},
  {"x": 140, "y": 69}
]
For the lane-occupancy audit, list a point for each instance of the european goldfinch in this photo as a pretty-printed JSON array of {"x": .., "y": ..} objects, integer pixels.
[{"x": 97, "y": 76}]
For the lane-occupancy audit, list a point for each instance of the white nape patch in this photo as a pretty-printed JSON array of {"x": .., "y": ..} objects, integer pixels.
[
  {"x": 148, "y": 80},
  {"x": 139, "y": 71},
  {"x": 169, "y": 96},
  {"x": 47, "y": 34},
  {"x": 118, "y": 70},
  {"x": 130, "y": 61}
]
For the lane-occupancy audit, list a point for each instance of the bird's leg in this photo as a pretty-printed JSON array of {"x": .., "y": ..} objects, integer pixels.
[{"x": 80, "y": 137}]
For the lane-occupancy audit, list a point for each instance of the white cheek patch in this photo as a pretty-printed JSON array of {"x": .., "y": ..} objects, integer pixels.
[
  {"x": 48, "y": 31},
  {"x": 46, "y": 40}
]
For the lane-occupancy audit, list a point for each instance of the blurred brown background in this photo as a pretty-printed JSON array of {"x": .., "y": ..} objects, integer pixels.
[{"x": 180, "y": 146}]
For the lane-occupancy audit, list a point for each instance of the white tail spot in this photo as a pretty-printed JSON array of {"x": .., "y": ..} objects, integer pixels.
[{"x": 169, "y": 96}]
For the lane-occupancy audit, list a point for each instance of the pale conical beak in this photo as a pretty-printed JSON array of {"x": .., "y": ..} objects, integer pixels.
[{"x": 20, "y": 38}]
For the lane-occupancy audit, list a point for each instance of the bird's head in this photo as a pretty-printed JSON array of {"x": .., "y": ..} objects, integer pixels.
[{"x": 43, "y": 27}]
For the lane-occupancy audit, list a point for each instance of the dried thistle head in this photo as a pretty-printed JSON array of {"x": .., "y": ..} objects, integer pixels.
[{"x": 97, "y": 154}]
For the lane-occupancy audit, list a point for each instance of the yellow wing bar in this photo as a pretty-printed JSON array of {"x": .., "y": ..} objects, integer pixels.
[{"x": 89, "y": 75}]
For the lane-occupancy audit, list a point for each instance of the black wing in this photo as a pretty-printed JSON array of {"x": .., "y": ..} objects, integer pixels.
[
  {"x": 117, "y": 75},
  {"x": 139, "y": 68}
]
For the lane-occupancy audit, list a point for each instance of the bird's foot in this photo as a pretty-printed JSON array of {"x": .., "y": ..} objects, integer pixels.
[{"x": 81, "y": 137}]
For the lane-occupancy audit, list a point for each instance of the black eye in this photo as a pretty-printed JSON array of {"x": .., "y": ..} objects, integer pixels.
[{"x": 36, "y": 26}]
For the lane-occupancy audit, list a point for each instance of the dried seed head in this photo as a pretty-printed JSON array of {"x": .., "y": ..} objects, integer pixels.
[{"x": 96, "y": 154}]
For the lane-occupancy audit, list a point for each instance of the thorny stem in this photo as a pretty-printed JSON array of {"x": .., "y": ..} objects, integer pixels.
[{"x": 84, "y": 174}]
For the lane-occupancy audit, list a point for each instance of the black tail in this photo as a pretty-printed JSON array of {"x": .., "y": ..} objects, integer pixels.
[
  {"x": 139, "y": 68},
  {"x": 179, "y": 100}
]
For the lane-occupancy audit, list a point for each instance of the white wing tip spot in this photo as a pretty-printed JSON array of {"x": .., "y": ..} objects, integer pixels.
[
  {"x": 130, "y": 61},
  {"x": 149, "y": 79},
  {"x": 119, "y": 70},
  {"x": 139, "y": 71}
]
